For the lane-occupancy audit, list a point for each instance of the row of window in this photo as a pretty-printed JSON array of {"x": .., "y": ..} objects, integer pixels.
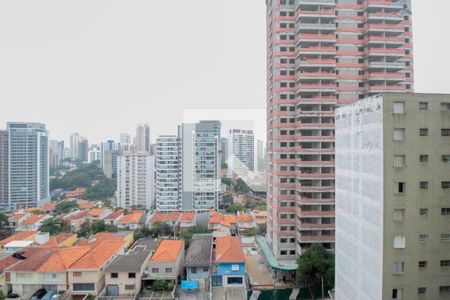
[
  {"x": 400, "y": 240},
  {"x": 400, "y": 187},
  {"x": 399, "y": 107},
  {"x": 156, "y": 270},
  {"x": 400, "y": 159},
  {"x": 421, "y": 291},
  {"x": 399, "y": 214},
  {"x": 399, "y": 267},
  {"x": 400, "y": 133}
]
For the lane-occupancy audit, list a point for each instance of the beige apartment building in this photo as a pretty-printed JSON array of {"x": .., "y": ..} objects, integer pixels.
[{"x": 393, "y": 197}]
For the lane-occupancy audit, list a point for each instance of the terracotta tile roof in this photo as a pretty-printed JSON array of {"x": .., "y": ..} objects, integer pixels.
[
  {"x": 229, "y": 249},
  {"x": 245, "y": 218},
  {"x": 81, "y": 201},
  {"x": 33, "y": 219},
  {"x": 80, "y": 215},
  {"x": 188, "y": 216},
  {"x": 87, "y": 205},
  {"x": 56, "y": 240},
  {"x": 18, "y": 237},
  {"x": 17, "y": 216},
  {"x": 218, "y": 218},
  {"x": 75, "y": 193},
  {"x": 171, "y": 216},
  {"x": 49, "y": 206},
  {"x": 31, "y": 209},
  {"x": 115, "y": 214},
  {"x": 167, "y": 251},
  {"x": 138, "y": 211},
  {"x": 95, "y": 212},
  {"x": 10, "y": 260},
  {"x": 131, "y": 218},
  {"x": 98, "y": 256}
]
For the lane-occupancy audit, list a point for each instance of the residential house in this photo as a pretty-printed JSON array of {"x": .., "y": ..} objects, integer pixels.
[
  {"x": 33, "y": 222},
  {"x": 63, "y": 239},
  {"x": 125, "y": 237},
  {"x": 179, "y": 221},
  {"x": 123, "y": 276},
  {"x": 76, "y": 218},
  {"x": 77, "y": 193},
  {"x": 45, "y": 268},
  {"x": 199, "y": 258},
  {"x": 98, "y": 213},
  {"x": 49, "y": 208},
  {"x": 223, "y": 223},
  {"x": 245, "y": 222},
  {"x": 86, "y": 276},
  {"x": 19, "y": 236},
  {"x": 260, "y": 217},
  {"x": 114, "y": 217},
  {"x": 229, "y": 262},
  {"x": 16, "y": 219},
  {"x": 132, "y": 221},
  {"x": 167, "y": 261},
  {"x": 15, "y": 246}
]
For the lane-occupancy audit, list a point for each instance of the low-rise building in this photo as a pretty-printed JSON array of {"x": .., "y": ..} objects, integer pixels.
[
  {"x": 167, "y": 261},
  {"x": 229, "y": 262},
  {"x": 98, "y": 213},
  {"x": 63, "y": 239},
  {"x": 33, "y": 222},
  {"x": 132, "y": 221},
  {"x": 76, "y": 218},
  {"x": 114, "y": 217},
  {"x": 19, "y": 236},
  {"x": 199, "y": 259},
  {"x": 178, "y": 220},
  {"x": 123, "y": 276},
  {"x": 15, "y": 246},
  {"x": 245, "y": 221}
]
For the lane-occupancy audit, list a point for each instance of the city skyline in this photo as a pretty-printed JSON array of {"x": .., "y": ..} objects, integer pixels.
[{"x": 28, "y": 53}]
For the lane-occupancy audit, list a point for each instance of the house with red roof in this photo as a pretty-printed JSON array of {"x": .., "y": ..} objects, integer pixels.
[
  {"x": 245, "y": 221},
  {"x": 19, "y": 236},
  {"x": 76, "y": 218},
  {"x": 132, "y": 221},
  {"x": 114, "y": 217},
  {"x": 49, "y": 207},
  {"x": 176, "y": 219},
  {"x": 222, "y": 223},
  {"x": 167, "y": 260},
  {"x": 33, "y": 222},
  {"x": 77, "y": 193},
  {"x": 229, "y": 261}
]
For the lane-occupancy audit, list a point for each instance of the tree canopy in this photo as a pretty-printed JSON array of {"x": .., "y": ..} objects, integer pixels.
[
  {"x": 313, "y": 264},
  {"x": 189, "y": 232},
  {"x": 233, "y": 208},
  {"x": 54, "y": 226},
  {"x": 66, "y": 206}
]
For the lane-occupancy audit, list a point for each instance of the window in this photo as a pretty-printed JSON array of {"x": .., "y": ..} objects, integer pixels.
[
  {"x": 397, "y": 294},
  {"x": 399, "y": 134},
  {"x": 399, "y": 241},
  {"x": 399, "y": 215},
  {"x": 283, "y": 240},
  {"x": 194, "y": 270},
  {"x": 283, "y": 252},
  {"x": 399, "y": 267},
  {"x": 421, "y": 291},
  {"x": 423, "y": 105},
  {"x": 129, "y": 287},
  {"x": 423, "y": 157},
  {"x": 445, "y": 132},
  {"x": 205, "y": 269},
  {"x": 399, "y": 108},
  {"x": 155, "y": 270},
  {"x": 445, "y": 184},
  {"x": 114, "y": 275},
  {"x": 445, "y": 106},
  {"x": 399, "y": 187},
  {"x": 445, "y": 211},
  {"x": 399, "y": 161},
  {"x": 234, "y": 267},
  {"x": 445, "y": 237},
  {"x": 84, "y": 287},
  {"x": 444, "y": 290},
  {"x": 445, "y": 158},
  {"x": 422, "y": 264},
  {"x": 292, "y": 252},
  {"x": 423, "y": 185},
  {"x": 423, "y": 238},
  {"x": 423, "y": 211},
  {"x": 168, "y": 270},
  {"x": 77, "y": 274},
  {"x": 423, "y": 131},
  {"x": 131, "y": 275},
  {"x": 445, "y": 263}
]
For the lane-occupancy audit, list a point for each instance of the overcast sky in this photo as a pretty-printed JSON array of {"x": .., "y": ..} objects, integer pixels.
[{"x": 101, "y": 67}]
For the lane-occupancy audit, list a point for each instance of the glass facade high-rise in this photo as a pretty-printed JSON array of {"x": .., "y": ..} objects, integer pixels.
[{"x": 28, "y": 165}]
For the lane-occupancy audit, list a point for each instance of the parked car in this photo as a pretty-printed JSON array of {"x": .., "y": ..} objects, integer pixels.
[
  {"x": 12, "y": 295},
  {"x": 38, "y": 294},
  {"x": 50, "y": 295}
]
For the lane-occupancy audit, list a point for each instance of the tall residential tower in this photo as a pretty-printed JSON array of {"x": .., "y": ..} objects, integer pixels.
[{"x": 321, "y": 54}]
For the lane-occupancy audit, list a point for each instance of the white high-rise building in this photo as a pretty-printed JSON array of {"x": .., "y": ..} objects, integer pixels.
[
  {"x": 125, "y": 139},
  {"x": 142, "y": 139},
  {"x": 241, "y": 153},
  {"x": 168, "y": 173},
  {"x": 28, "y": 175},
  {"x": 75, "y": 145},
  {"x": 94, "y": 153},
  {"x": 135, "y": 179}
]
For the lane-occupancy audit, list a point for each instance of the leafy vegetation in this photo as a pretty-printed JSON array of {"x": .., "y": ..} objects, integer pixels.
[
  {"x": 249, "y": 232},
  {"x": 241, "y": 186},
  {"x": 104, "y": 189},
  {"x": 227, "y": 199},
  {"x": 160, "y": 285},
  {"x": 54, "y": 226},
  {"x": 262, "y": 229},
  {"x": 314, "y": 264},
  {"x": 233, "y": 208},
  {"x": 260, "y": 207},
  {"x": 89, "y": 228},
  {"x": 188, "y": 233},
  {"x": 4, "y": 230},
  {"x": 65, "y": 207}
]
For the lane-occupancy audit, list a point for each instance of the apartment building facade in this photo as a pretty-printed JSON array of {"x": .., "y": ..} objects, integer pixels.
[
  {"x": 392, "y": 191},
  {"x": 135, "y": 179},
  {"x": 28, "y": 174},
  {"x": 322, "y": 54},
  {"x": 4, "y": 158},
  {"x": 168, "y": 173},
  {"x": 241, "y": 149}
]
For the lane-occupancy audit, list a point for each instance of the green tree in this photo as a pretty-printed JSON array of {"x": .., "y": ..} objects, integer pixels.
[
  {"x": 249, "y": 232},
  {"x": 262, "y": 229},
  {"x": 160, "y": 285},
  {"x": 54, "y": 226},
  {"x": 260, "y": 207},
  {"x": 227, "y": 181},
  {"x": 233, "y": 208},
  {"x": 4, "y": 230},
  {"x": 37, "y": 212},
  {"x": 161, "y": 229},
  {"x": 189, "y": 232},
  {"x": 227, "y": 199},
  {"x": 65, "y": 207},
  {"x": 241, "y": 186},
  {"x": 142, "y": 233},
  {"x": 313, "y": 264},
  {"x": 85, "y": 229}
]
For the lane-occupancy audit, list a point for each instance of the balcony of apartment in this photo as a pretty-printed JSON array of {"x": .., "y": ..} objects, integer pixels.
[
  {"x": 384, "y": 4},
  {"x": 393, "y": 65},
  {"x": 315, "y": 163},
  {"x": 386, "y": 87},
  {"x": 284, "y": 78},
  {"x": 317, "y": 37},
  {"x": 318, "y": 50},
  {"x": 325, "y": 87},
  {"x": 316, "y": 75},
  {"x": 314, "y": 201},
  {"x": 307, "y": 4},
  {"x": 308, "y": 25},
  {"x": 394, "y": 53},
  {"x": 386, "y": 76},
  {"x": 315, "y": 226},
  {"x": 324, "y": 14},
  {"x": 386, "y": 27},
  {"x": 381, "y": 40},
  {"x": 385, "y": 16},
  {"x": 282, "y": 173},
  {"x": 324, "y": 99},
  {"x": 316, "y": 238}
]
